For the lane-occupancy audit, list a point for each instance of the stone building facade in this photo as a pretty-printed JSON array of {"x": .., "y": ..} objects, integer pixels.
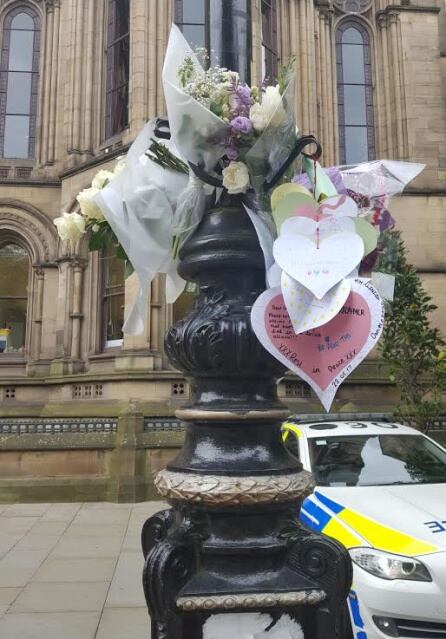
[{"x": 78, "y": 80}]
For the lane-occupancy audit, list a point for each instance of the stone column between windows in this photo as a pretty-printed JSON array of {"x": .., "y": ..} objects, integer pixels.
[
  {"x": 76, "y": 314},
  {"x": 397, "y": 85},
  {"x": 45, "y": 83},
  {"x": 384, "y": 110},
  {"x": 51, "y": 150},
  {"x": 90, "y": 65},
  {"x": 39, "y": 275}
]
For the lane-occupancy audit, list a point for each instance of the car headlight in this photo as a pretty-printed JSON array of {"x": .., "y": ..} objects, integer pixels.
[{"x": 388, "y": 566}]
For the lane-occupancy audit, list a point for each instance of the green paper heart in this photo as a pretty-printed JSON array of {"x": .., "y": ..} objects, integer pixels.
[
  {"x": 288, "y": 204},
  {"x": 368, "y": 233}
]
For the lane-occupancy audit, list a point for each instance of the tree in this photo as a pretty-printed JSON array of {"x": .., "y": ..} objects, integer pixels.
[{"x": 412, "y": 348}]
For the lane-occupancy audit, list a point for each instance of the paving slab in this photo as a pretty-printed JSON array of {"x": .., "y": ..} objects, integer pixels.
[
  {"x": 118, "y": 623},
  {"x": 61, "y": 597},
  {"x": 61, "y": 625},
  {"x": 76, "y": 570},
  {"x": 73, "y": 571}
]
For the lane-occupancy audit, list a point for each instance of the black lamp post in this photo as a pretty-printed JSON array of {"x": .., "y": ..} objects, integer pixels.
[{"x": 231, "y": 541}]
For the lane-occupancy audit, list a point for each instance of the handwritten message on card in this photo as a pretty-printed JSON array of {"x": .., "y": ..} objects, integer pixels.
[{"x": 323, "y": 356}]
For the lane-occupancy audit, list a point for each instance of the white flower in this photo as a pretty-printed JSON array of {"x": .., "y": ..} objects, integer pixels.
[
  {"x": 89, "y": 208},
  {"x": 269, "y": 111},
  {"x": 102, "y": 178},
  {"x": 258, "y": 117},
  {"x": 236, "y": 178},
  {"x": 70, "y": 226}
]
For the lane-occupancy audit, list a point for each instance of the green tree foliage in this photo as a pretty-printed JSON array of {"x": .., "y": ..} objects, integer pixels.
[{"x": 412, "y": 348}]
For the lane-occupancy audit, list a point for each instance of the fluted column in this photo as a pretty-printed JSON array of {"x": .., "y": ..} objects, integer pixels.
[
  {"x": 76, "y": 80},
  {"x": 39, "y": 275},
  {"x": 384, "y": 106},
  {"x": 76, "y": 314},
  {"x": 91, "y": 64},
  {"x": 396, "y": 77}
]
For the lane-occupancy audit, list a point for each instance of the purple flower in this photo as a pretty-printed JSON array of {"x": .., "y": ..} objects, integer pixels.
[
  {"x": 240, "y": 124},
  {"x": 231, "y": 152}
]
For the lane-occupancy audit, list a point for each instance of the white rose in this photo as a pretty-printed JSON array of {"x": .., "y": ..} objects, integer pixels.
[
  {"x": 70, "y": 226},
  {"x": 258, "y": 117},
  {"x": 269, "y": 111},
  {"x": 102, "y": 178},
  {"x": 89, "y": 208},
  {"x": 236, "y": 178}
]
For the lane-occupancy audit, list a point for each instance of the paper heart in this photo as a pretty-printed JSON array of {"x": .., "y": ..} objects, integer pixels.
[
  {"x": 368, "y": 233},
  {"x": 305, "y": 310},
  {"x": 286, "y": 189},
  {"x": 318, "y": 267},
  {"x": 289, "y": 203},
  {"x": 339, "y": 206},
  {"x": 324, "y": 357},
  {"x": 327, "y": 225}
]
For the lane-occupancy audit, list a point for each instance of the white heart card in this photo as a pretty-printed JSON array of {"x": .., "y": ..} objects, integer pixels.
[
  {"x": 318, "y": 265},
  {"x": 325, "y": 356},
  {"x": 339, "y": 206},
  {"x": 327, "y": 225},
  {"x": 305, "y": 310}
]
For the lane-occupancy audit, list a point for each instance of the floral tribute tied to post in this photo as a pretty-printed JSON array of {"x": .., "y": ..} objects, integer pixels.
[{"x": 320, "y": 230}]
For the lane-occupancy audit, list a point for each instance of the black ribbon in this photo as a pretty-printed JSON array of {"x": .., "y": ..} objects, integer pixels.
[{"x": 299, "y": 147}]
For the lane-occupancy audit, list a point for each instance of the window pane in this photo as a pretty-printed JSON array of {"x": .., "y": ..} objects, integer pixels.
[
  {"x": 22, "y": 21},
  {"x": 115, "y": 317},
  {"x": 16, "y": 136},
  {"x": 354, "y": 104},
  {"x": 353, "y": 69},
  {"x": 352, "y": 36},
  {"x": 21, "y": 51},
  {"x": 194, "y": 34},
  {"x": 122, "y": 18},
  {"x": 19, "y": 93},
  {"x": 14, "y": 264},
  {"x": 14, "y": 268},
  {"x": 115, "y": 271},
  {"x": 193, "y": 11},
  {"x": 356, "y": 146}
]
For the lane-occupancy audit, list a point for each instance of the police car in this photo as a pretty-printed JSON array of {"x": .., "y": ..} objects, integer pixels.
[{"x": 381, "y": 492}]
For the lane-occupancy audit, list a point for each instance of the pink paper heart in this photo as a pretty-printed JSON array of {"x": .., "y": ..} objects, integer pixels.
[{"x": 324, "y": 356}]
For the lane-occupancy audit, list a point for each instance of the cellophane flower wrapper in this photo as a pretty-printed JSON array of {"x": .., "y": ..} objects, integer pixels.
[
  {"x": 197, "y": 133},
  {"x": 273, "y": 147},
  {"x": 139, "y": 205}
]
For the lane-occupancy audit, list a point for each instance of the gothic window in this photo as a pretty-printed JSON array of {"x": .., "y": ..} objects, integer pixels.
[
  {"x": 192, "y": 17},
  {"x": 117, "y": 67},
  {"x": 113, "y": 298},
  {"x": 355, "y": 93},
  {"x": 19, "y": 79},
  {"x": 14, "y": 274},
  {"x": 269, "y": 39}
]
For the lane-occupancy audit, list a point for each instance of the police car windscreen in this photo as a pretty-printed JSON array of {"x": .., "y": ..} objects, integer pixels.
[{"x": 376, "y": 460}]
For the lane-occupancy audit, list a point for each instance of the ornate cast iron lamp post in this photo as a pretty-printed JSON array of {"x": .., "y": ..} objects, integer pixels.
[{"x": 231, "y": 541}]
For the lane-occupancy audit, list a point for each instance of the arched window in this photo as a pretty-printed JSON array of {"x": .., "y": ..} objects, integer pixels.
[
  {"x": 19, "y": 79},
  {"x": 14, "y": 274},
  {"x": 192, "y": 17},
  {"x": 355, "y": 93},
  {"x": 113, "y": 298},
  {"x": 118, "y": 67}
]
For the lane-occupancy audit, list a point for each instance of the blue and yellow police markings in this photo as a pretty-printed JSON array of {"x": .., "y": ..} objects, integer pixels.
[{"x": 352, "y": 529}]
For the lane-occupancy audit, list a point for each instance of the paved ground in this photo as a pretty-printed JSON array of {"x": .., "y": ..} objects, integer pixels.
[{"x": 72, "y": 571}]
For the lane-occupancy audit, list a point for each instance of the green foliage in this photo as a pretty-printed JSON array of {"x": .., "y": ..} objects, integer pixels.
[
  {"x": 102, "y": 238},
  {"x": 413, "y": 349},
  {"x": 160, "y": 154}
]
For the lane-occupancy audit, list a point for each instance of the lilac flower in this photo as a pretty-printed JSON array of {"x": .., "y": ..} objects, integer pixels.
[
  {"x": 241, "y": 124},
  {"x": 240, "y": 99},
  {"x": 231, "y": 152}
]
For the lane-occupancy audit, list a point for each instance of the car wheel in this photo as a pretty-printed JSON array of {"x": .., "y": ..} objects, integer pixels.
[{"x": 343, "y": 624}]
